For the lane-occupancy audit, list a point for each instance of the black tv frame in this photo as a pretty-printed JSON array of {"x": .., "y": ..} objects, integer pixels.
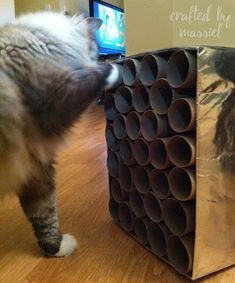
[{"x": 104, "y": 3}]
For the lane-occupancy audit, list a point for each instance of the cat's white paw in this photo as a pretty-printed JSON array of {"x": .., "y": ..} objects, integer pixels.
[
  {"x": 67, "y": 245},
  {"x": 114, "y": 77}
]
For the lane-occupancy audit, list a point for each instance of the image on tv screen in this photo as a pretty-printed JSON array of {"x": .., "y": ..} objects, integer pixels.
[{"x": 111, "y": 35}]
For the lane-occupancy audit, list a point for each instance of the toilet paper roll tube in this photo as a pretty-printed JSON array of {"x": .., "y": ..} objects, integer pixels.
[
  {"x": 109, "y": 106},
  {"x": 157, "y": 238},
  {"x": 181, "y": 69},
  {"x": 126, "y": 152},
  {"x": 182, "y": 115},
  {"x": 111, "y": 139},
  {"x": 141, "y": 178},
  {"x": 136, "y": 203},
  {"x": 133, "y": 125},
  {"x": 113, "y": 160},
  {"x": 119, "y": 126},
  {"x": 160, "y": 96},
  {"x": 159, "y": 183},
  {"x": 117, "y": 192},
  {"x": 123, "y": 99},
  {"x": 180, "y": 252},
  {"x": 131, "y": 72},
  {"x": 183, "y": 93},
  {"x": 181, "y": 150},
  {"x": 141, "y": 152},
  {"x": 152, "y": 67},
  {"x": 182, "y": 183},
  {"x": 140, "y": 229},
  {"x": 114, "y": 209},
  {"x": 126, "y": 177},
  {"x": 179, "y": 216},
  {"x": 158, "y": 154},
  {"x": 140, "y": 98},
  {"x": 153, "y": 207},
  {"x": 153, "y": 125},
  {"x": 126, "y": 216}
]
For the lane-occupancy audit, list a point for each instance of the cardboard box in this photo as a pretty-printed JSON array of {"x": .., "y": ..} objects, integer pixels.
[{"x": 205, "y": 240}]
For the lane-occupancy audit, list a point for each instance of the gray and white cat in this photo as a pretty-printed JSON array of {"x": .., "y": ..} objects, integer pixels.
[{"x": 48, "y": 76}]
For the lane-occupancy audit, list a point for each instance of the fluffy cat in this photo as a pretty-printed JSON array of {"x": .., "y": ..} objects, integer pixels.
[{"x": 48, "y": 76}]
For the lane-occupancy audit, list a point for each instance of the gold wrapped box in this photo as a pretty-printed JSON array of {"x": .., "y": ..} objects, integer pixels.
[{"x": 171, "y": 139}]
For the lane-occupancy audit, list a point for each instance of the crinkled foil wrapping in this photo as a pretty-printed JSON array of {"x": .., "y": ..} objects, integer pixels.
[{"x": 215, "y": 198}]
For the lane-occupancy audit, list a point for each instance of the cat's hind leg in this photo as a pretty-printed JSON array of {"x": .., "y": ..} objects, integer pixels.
[{"x": 38, "y": 201}]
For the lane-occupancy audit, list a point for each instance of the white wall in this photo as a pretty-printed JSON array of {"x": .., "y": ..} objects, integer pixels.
[
  {"x": 24, "y": 6},
  {"x": 7, "y": 11}
]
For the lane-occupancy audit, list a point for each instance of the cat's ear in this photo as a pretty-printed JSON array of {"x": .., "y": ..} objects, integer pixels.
[
  {"x": 94, "y": 24},
  {"x": 77, "y": 18}
]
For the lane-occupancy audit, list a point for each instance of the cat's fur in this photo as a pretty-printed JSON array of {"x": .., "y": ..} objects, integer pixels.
[{"x": 48, "y": 76}]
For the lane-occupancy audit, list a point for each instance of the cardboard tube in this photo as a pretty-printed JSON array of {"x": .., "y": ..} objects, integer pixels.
[
  {"x": 114, "y": 209},
  {"x": 140, "y": 98},
  {"x": 179, "y": 216},
  {"x": 126, "y": 152},
  {"x": 158, "y": 154},
  {"x": 126, "y": 177},
  {"x": 159, "y": 183},
  {"x": 182, "y": 183},
  {"x": 136, "y": 203},
  {"x": 117, "y": 192},
  {"x": 109, "y": 107},
  {"x": 123, "y": 99},
  {"x": 153, "y": 126},
  {"x": 152, "y": 67},
  {"x": 157, "y": 237},
  {"x": 126, "y": 216},
  {"x": 141, "y": 179},
  {"x": 113, "y": 160},
  {"x": 180, "y": 252},
  {"x": 181, "y": 69},
  {"x": 119, "y": 126},
  {"x": 141, "y": 152},
  {"x": 153, "y": 207},
  {"x": 140, "y": 229},
  {"x": 160, "y": 96},
  {"x": 133, "y": 125},
  {"x": 131, "y": 72},
  {"x": 181, "y": 150},
  {"x": 183, "y": 93},
  {"x": 182, "y": 115},
  {"x": 111, "y": 140}
]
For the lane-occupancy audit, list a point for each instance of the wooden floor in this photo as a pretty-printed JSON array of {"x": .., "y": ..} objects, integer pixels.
[{"x": 106, "y": 253}]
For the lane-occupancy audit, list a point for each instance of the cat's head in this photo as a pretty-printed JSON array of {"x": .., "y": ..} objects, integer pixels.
[
  {"x": 77, "y": 33},
  {"x": 89, "y": 27}
]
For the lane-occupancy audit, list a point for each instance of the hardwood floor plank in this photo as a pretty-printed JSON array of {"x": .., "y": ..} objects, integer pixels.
[{"x": 106, "y": 254}]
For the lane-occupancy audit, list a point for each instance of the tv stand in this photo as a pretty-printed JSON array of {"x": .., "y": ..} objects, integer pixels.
[{"x": 110, "y": 58}]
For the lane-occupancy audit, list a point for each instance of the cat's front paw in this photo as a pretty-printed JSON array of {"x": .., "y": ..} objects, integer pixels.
[{"x": 67, "y": 246}]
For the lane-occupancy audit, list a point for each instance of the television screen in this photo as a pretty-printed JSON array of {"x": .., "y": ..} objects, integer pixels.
[{"x": 111, "y": 35}]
